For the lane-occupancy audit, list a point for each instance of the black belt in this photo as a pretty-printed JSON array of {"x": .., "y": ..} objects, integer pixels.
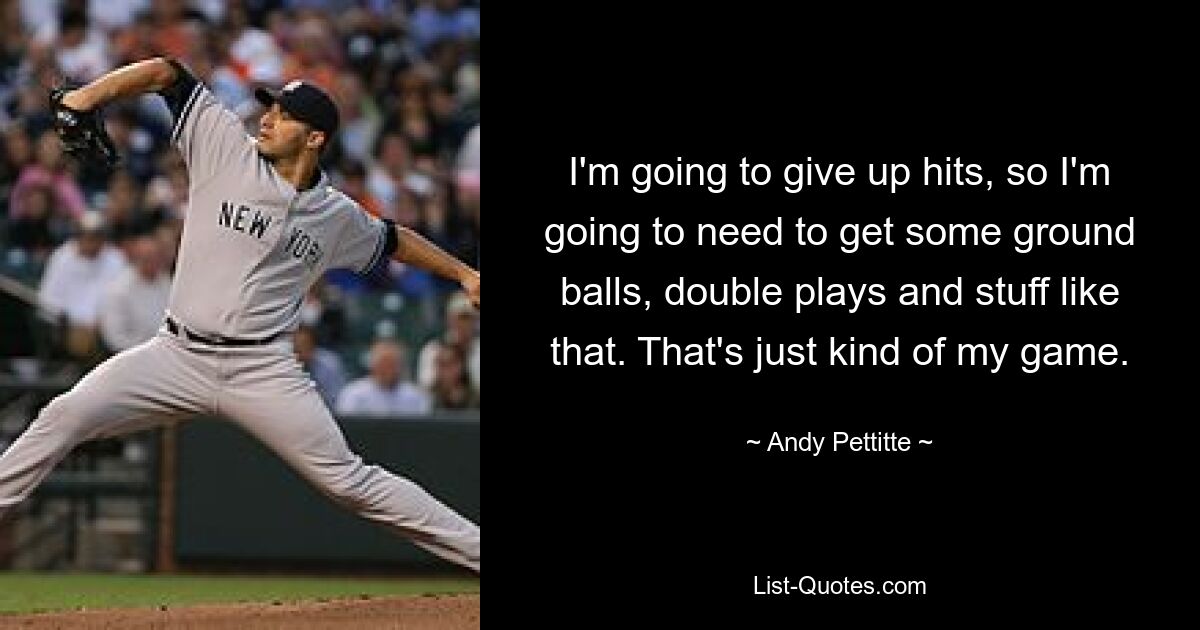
[{"x": 180, "y": 331}]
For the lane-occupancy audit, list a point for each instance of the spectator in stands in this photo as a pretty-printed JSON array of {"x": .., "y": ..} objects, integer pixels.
[
  {"x": 375, "y": 45},
  {"x": 136, "y": 41},
  {"x": 391, "y": 174},
  {"x": 354, "y": 184},
  {"x": 114, "y": 15},
  {"x": 133, "y": 305},
  {"x": 81, "y": 50},
  {"x": 451, "y": 388},
  {"x": 168, "y": 191},
  {"x": 384, "y": 392},
  {"x": 435, "y": 221},
  {"x": 18, "y": 152},
  {"x": 324, "y": 366},
  {"x": 16, "y": 156},
  {"x": 40, "y": 229},
  {"x": 253, "y": 54},
  {"x": 210, "y": 64},
  {"x": 432, "y": 173},
  {"x": 123, "y": 211},
  {"x": 443, "y": 19},
  {"x": 35, "y": 13},
  {"x": 134, "y": 140},
  {"x": 415, "y": 121},
  {"x": 31, "y": 112},
  {"x": 466, "y": 83},
  {"x": 281, "y": 26},
  {"x": 50, "y": 170},
  {"x": 441, "y": 225},
  {"x": 462, "y": 333},
  {"x": 74, "y": 281},
  {"x": 467, "y": 172},
  {"x": 467, "y": 187},
  {"x": 361, "y": 118},
  {"x": 174, "y": 30},
  {"x": 312, "y": 55},
  {"x": 408, "y": 206},
  {"x": 451, "y": 123},
  {"x": 119, "y": 207},
  {"x": 212, "y": 11}
]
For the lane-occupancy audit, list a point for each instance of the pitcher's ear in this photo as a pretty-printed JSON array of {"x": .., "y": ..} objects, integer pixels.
[{"x": 316, "y": 140}]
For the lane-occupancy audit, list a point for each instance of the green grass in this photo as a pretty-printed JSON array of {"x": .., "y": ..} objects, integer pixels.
[{"x": 42, "y": 592}]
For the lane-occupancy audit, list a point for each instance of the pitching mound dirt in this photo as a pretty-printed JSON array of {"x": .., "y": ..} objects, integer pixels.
[{"x": 441, "y": 612}]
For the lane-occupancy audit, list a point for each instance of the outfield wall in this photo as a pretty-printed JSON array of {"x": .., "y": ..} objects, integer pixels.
[{"x": 235, "y": 501}]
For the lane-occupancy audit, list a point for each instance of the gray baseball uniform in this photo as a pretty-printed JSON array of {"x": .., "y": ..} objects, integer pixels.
[{"x": 252, "y": 245}]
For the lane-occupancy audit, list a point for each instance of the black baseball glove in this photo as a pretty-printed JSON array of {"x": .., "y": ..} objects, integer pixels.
[{"x": 82, "y": 133}]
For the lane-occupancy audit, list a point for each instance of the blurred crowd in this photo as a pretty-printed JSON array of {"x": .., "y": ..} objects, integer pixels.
[{"x": 405, "y": 75}]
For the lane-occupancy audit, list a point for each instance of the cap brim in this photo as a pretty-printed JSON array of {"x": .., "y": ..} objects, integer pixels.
[{"x": 265, "y": 96}]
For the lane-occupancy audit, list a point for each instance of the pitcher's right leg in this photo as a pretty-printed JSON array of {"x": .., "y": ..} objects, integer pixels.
[
  {"x": 282, "y": 409},
  {"x": 153, "y": 383},
  {"x": 301, "y": 431}
]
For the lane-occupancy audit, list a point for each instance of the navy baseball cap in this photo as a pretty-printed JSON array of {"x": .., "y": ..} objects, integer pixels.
[{"x": 305, "y": 102}]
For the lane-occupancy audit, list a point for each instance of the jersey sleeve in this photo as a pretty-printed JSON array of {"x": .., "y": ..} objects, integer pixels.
[
  {"x": 365, "y": 241},
  {"x": 207, "y": 134}
]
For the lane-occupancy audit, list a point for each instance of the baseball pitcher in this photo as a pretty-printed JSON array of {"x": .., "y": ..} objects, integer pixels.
[{"x": 262, "y": 224}]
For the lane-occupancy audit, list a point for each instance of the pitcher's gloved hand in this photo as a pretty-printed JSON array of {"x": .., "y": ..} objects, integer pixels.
[{"x": 82, "y": 133}]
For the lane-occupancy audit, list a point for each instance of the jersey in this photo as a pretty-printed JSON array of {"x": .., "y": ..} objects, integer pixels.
[{"x": 252, "y": 243}]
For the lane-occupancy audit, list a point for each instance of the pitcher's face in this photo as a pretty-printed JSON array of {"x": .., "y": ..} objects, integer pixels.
[{"x": 282, "y": 136}]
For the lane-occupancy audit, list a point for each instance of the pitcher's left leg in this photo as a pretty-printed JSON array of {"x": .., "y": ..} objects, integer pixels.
[
  {"x": 289, "y": 417},
  {"x": 146, "y": 386}
]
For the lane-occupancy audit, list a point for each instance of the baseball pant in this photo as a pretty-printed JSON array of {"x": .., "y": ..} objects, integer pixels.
[{"x": 264, "y": 391}]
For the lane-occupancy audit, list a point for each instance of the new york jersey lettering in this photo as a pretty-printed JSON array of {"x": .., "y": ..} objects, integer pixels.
[
  {"x": 243, "y": 219},
  {"x": 303, "y": 246}
]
